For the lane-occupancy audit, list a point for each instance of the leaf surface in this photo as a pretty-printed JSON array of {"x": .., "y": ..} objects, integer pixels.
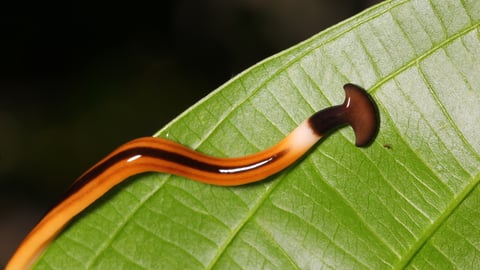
[{"x": 410, "y": 200}]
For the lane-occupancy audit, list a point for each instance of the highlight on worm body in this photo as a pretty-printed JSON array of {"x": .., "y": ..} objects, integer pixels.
[{"x": 162, "y": 155}]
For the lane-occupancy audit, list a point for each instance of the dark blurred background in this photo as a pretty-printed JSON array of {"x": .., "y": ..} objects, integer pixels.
[{"x": 78, "y": 80}]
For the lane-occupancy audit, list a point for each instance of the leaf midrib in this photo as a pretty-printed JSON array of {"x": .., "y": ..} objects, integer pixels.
[{"x": 455, "y": 203}]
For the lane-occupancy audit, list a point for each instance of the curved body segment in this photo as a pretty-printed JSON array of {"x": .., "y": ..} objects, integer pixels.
[{"x": 162, "y": 155}]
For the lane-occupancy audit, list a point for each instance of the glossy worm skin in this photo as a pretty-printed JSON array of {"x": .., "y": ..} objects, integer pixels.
[{"x": 161, "y": 155}]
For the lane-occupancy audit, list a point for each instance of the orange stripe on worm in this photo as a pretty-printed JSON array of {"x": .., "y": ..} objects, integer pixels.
[{"x": 161, "y": 155}]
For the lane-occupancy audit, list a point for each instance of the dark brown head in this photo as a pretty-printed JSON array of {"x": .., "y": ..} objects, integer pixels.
[
  {"x": 362, "y": 114},
  {"x": 358, "y": 110}
]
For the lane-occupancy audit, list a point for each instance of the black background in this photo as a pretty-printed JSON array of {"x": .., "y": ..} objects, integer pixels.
[{"x": 78, "y": 80}]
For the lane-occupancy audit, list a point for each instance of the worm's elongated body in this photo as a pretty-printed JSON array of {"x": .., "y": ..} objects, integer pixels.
[{"x": 161, "y": 155}]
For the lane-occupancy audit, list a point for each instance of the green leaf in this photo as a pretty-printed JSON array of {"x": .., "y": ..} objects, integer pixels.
[{"x": 410, "y": 200}]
